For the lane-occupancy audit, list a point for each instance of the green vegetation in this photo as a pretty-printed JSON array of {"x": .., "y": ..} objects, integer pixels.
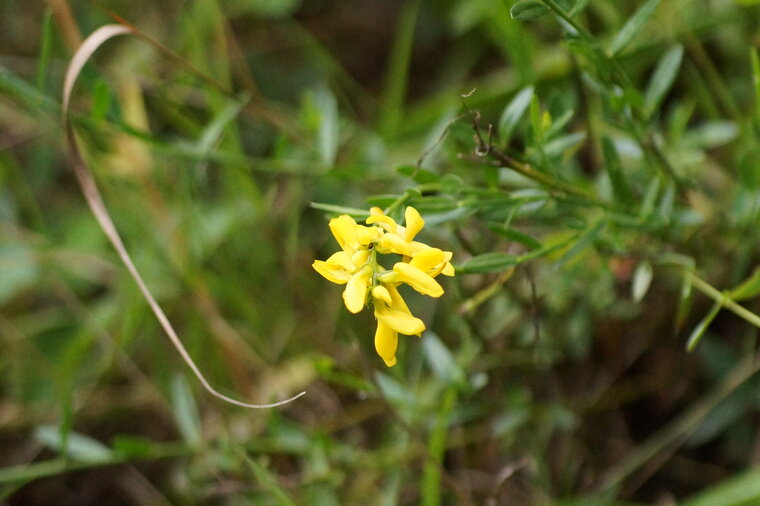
[{"x": 593, "y": 166}]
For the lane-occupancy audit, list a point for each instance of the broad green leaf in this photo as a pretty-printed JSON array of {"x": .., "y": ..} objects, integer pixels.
[
  {"x": 633, "y": 26},
  {"x": 514, "y": 112},
  {"x": 489, "y": 262},
  {"x": 642, "y": 280},
  {"x": 615, "y": 172},
  {"x": 662, "y": 79},
  {"x": 525, "y": 10}
]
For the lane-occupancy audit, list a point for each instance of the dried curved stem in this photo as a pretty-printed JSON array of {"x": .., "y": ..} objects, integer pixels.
[{"x": 97, "y": 206}]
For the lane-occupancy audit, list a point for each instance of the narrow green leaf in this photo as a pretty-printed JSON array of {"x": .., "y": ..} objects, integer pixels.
[
  {"x": 525, "y": 10},
  {"x": 585, "y": 240},
  {"x": 559, "y": 123},
  {"x": 213, "y": 132},
  {"x": 756, "y": 81},
  {"x": 394, "y": 93},
  {"x": 489, "y": 262},
  {"x": 684, "y": 301},
  {"x": 633, "y": 26},
  {"x": 579, "y": 7},
  {"x": 45, "y": 47},
  {"x": 514, "y": 112},
  {"x": 351, "y": 211},
  {"x": 711, "y": 134},
  {"x": 185, "y": 411},
  {"x": 268, "y": 482},
  {"x": 615, "y": 172},
  {"x": 650, "y": 197},
  {"x": 418, "y": 174},
  {"x": 77, "y": 446},
  {"x": 663, "y": 78},
  {"x": 740, "y": 489},
  {"x": 642, "y": 280},
  {"x": 565, "y": 143},
  {"x": 749, "y": 288},
  {"x": 536, "y": 121},
  {"x": 515, "y": 235},
  {"x": 431, "y": 479},
  {"x": 395, "y": 391},
  {"x": 328, "y": 132},
  {"x": 596, "y": 57},
  {"x": 441, "y": 360},
  {"x": 701, "y": 328}
]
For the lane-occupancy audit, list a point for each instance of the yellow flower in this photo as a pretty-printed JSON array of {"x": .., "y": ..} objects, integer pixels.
[{"x": 357, "y": 267}]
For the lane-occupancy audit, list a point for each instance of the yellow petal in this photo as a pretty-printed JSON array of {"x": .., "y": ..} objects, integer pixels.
[
  {"x": 386, "y": 343},
  {"x": 413, "y": 221},
  {"x": 332, "y": 271},
  {"x": 417, "y": 279},
  {"x": 356, "y": 290},
  {"x": 341, "y": 258},
  {"x": 359, "y": 259},
  {"x": 392, "y": 243},
  {"x": 397, "y": 302},
  {"x": 378, "y": 216},
  {"x": 381, "y": 293},
  {"x": 344, "y": 229},
  {"x": 428, "y": 259},
  {"x": 366, "y": 235},
  {"x": 399, "y": 321},
  {"x": 448, "y": 269}
]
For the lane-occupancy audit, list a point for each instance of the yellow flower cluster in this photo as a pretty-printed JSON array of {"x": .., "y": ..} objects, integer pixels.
[{"x": 357, "y": 267}]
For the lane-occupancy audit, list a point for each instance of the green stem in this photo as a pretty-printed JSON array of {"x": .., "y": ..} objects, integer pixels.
[
  {"x": 723, "y": 299},
  {"x": 559, "y": 11},
  {"x": 540, "y": 177},
  {"x": 431, "y": 481}
]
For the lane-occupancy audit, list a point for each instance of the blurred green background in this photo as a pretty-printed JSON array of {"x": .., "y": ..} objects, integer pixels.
[{"x": 593, "y": 165}]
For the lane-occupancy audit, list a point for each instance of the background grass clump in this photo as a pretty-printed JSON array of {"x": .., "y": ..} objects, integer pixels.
[{"x": 594, "y": 167}]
